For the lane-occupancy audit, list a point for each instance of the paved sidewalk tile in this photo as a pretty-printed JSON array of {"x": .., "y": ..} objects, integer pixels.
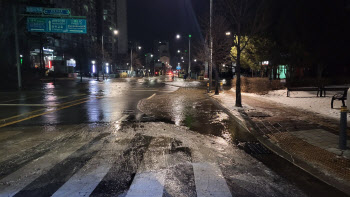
[{"x": 322, "y": 139}]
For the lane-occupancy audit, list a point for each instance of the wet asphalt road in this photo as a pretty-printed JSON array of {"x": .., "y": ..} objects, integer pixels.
[{"x": 92, "y": 139}]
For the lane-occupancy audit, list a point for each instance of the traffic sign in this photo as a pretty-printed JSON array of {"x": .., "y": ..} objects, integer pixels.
[
  {"x": 56, "y": 25},
  {"x": 37, "y": 10},
  {"x": 56, "y": 11},
  {"x": 178, "y": 68}
]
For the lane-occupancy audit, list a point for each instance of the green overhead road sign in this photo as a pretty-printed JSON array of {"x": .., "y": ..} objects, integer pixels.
[
  {"x": 56, "y": 11},
  {"x": 48, "y": 11},
  {"x": 56, "y": 25},
  {"x": 37, "y": 10}
]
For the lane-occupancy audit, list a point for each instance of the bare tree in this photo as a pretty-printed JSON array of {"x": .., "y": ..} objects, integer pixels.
[
  {"x": 246, "y": 19},
  {"x": 221, "y": 46}
]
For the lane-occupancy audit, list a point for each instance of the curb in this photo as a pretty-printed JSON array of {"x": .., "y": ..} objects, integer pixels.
[{"x": 305, "y": 166}]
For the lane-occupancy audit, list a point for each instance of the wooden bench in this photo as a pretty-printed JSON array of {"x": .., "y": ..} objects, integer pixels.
[
  {"x": 340, "y": 97},
  {"x": 295, "y": 89},
  {"x": 325, "y": 89}
]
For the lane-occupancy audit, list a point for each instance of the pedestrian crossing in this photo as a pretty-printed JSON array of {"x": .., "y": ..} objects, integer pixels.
[{"x": 103, "y": 164}]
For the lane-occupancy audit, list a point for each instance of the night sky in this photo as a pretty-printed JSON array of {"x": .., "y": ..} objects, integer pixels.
[{"x": 161, "y": 19}]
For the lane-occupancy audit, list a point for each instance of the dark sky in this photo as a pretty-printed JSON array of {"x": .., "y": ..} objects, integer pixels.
[{"x": 150, "y": 20}]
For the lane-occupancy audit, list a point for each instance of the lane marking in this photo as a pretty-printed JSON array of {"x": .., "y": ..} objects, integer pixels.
[
  {"x": 143, "y": 90},
  {"x": 30, "y": 105},
  {"x": 51, "y": 111},
  {"x": 7, "y": 101},
  {"x": 150, "y": 178},
  {"x": 61, "y": 172},
  {"x": 210, "y": 181},
  {"x": 18, "y": 180},
  {"x": 151, "y": 96},
  {"x": 88, "y": 177},
  {"x": 31, "y": 112},
  {"x": 8, "y": 134},
  {"x": 26, "y": 98},
  {"x": 148, "y": 184}
]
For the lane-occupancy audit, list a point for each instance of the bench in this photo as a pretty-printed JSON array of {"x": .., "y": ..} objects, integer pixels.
[
  {"x": 295, "y": 89},
  {"x": 340, "y": 97}
]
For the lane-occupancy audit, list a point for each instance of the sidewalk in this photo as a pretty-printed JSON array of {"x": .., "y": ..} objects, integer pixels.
[{"x": 308, "y": 140}]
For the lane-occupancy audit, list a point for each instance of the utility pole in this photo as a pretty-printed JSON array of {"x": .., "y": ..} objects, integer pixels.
[
  {"x": 131, "y": 63},
  {"x": 103, "y": 58},
  {"x": 17, "y": 47},
  {"x": 189, "y": 55},
  {"x": 211, "y": 48}
]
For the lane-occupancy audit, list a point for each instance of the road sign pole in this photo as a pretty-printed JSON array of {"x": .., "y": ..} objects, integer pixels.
[
  {"x": 343, "y": 126},
  {"x": 19, "y": 76}
]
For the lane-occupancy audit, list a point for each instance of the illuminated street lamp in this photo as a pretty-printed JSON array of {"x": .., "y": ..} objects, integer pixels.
[
  {"x": 107, "y": 68},
  {"x": 116, "y": 32},
  {"x": 189, "y": 51},
  {"x": 93, "y": 66},
  {"x": 228, "y": 33}
]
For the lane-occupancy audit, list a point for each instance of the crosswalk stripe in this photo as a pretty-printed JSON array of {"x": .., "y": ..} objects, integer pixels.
[
  {"x": 28, "y": 139},
  {"x": 16, "y": 181},
  {"x": 48, "y": 183},
  {"x": 21, "y": 159},
  {"x": 150, "y": 179},
  {"x": 85, "y": 181},
  {"x": 148, "y": 184},
  {"x": 8, "y": 134},
  {"x": 210, "y": 181},
  {"x": 118, "y": 178}
]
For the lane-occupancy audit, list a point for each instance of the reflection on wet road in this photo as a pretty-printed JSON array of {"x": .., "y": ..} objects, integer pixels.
[{"x": 131, "y": 137}]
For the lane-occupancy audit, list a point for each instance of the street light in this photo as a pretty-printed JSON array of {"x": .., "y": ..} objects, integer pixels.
[
  {"x": 178, "y": 51},
  {"x": 195, "y": 60},
  {"x": 93, "y": 66},
  {"x": 116, "y": 32},
  {"x": 189, "y": 51},
  {"x": 107, "y": 68},
  {"x": 139, "y": 47},
  {"x": 228, "y": 33}
]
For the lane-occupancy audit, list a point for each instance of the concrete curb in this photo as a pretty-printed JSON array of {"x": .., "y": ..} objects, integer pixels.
[{"x": 246, "y": 122}]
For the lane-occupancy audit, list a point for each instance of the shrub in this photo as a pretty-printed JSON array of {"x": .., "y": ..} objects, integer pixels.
[{"x": 258, "y": 85}]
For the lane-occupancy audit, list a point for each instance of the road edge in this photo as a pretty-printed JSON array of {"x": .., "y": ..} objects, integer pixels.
[{"x": 246, "y": 122}]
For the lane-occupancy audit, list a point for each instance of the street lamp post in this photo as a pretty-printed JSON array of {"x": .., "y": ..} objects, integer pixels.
[
  {"x": 189, "y": 52},
  {"x": 189, "y": 55},
  {"x": 211, "y": 48},
  {"x": 115, "y": 32},
  {"x": 139, "y": 47}
]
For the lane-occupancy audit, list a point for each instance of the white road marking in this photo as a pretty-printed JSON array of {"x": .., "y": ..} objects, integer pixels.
[
  {"x": 143, "y": 90},
  {"x": 151, "y": 96},
  {"x": 148, "y": 184},
  {"x": 8, "y": 134},
  {"x": 30, "y": 105},
  {"x": 16, "y": 181},
  {"x": 87, "y": 178},
  {"x": 210, "y": 181},
  {"x": 150, "y": 178}
]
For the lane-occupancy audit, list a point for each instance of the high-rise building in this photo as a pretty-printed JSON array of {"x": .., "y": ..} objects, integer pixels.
[{"x": 122, "y": 26}]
